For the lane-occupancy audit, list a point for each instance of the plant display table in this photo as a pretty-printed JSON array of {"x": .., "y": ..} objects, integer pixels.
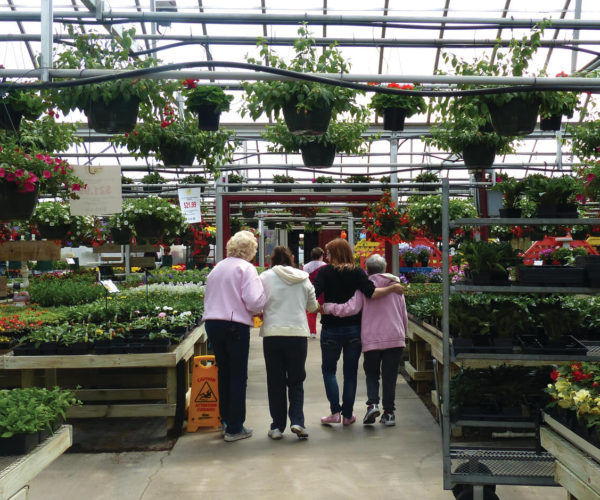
[
  {"x": 17, "y": 471},
  {"x": 577, "y": 466},
  {"x": 117, "y": 385}
]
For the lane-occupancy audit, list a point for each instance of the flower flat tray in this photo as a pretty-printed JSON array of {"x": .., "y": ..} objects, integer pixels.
[{"x": 572, "y": 346}]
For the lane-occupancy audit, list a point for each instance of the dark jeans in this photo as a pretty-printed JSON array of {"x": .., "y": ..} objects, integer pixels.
[
  {"x": 285, "y": 358},
  {"x": 334, "y": 341},
  {"x": 386, "y": 360},
  {"x": 231, "y": 343}
]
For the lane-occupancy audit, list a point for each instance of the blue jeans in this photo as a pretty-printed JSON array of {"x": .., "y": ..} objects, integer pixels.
[
  {"x": 334, "y": 341},
  {"x": 231, "y": 344}
]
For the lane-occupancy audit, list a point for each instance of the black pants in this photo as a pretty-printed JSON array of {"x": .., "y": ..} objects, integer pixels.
[
  {"x": 285, "y": 358},
  {"x": 386, "y": 361},
  {"x": 231, "y": 343}
]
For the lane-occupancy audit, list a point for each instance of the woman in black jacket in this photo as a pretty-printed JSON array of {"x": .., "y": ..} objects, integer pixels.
[{"x": 338, "y": 281}]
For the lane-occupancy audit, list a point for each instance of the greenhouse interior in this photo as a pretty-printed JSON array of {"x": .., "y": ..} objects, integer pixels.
[{"x": 232, "y": 220}]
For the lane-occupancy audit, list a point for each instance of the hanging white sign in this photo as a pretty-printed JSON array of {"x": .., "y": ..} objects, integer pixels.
[
  {"x": 189, "y": 201},
  {"x": 100, "y": 192}
]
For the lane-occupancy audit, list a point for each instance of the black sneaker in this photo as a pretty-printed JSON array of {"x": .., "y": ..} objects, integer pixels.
[
  {"x": 371, "y": 415},
  {"x": 388, "y": 419}
]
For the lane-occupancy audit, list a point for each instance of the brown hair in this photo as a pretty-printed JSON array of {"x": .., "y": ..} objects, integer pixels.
[
  {"x": 281, "y": 256},
  {"x": 316, "y": 253},
  {"x": 340, "y": 254}
]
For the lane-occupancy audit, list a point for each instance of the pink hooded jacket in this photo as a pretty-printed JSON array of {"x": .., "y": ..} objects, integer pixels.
[{"x": 384, "y": 320}]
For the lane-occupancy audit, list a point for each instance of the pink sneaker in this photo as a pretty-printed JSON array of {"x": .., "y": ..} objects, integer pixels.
[
  {"x": 334, "y": 418},
  {"x": 349, "y": 421}
]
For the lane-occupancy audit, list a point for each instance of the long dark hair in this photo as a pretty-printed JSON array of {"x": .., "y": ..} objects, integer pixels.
[{"x": 340, "y": 254}]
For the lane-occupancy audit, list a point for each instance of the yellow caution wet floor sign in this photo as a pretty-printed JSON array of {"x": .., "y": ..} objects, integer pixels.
[{"x": 204, "y": 400}]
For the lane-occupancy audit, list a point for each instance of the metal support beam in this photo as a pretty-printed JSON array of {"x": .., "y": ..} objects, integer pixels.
[
  {"x": 575, "y": 36},
  {"x": 219, "y": 218},
  {"x": 395, "y": 257},
  {"x": 351, "y": 231},
  {"x": 46, "y": 34}
]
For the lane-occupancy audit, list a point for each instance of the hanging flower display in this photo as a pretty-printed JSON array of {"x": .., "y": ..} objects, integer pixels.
[{"x": 384, "y": 220}]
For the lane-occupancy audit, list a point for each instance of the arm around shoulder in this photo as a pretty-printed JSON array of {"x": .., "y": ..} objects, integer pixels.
[{"x": 253, "y": 292}]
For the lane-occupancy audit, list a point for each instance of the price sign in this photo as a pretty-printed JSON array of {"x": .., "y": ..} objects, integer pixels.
[
  {"x": 109, "y": 286},
  {"x": 100, "y": 192},
  {"x": 189, "y": 201}
]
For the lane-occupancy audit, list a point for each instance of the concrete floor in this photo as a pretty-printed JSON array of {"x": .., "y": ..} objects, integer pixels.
[{"x": 373, "y": 462}]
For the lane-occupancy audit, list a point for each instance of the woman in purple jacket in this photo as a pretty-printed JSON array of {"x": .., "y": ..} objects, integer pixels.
[
  {"x": 383, "y": 330},
  {"x": 234, "y": 292}
]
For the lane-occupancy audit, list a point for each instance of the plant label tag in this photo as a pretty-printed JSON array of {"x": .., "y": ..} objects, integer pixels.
[
  {"x": 70, "y": 261},
  {"x": 538, "y": 262},
  {"x": 100, "y": 193},
  {"x": 189, "y": 201},
  {"x": 109, "y": 286}
]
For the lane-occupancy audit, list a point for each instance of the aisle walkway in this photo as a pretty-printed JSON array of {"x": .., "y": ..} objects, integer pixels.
[{"x": 357, "y": 462}]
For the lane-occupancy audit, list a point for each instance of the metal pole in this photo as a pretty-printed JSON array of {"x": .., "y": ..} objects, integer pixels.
[
  {"x": 153, "y": 24},
  {"x": 219, "y": 219},
  {"x": 351, "y": 231},
  {"x": 444, "y": 410},
  {"x": 46, "y": 13},
  {"x": 261, "y": 240},
  {"x": 575, "y": 37},
  {"x": 394, "y": 179}
]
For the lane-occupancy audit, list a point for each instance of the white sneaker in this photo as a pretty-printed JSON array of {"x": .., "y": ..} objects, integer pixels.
[
  {"x": 275, "y": 433},
  {"x": 299, "y": 431},
  {"x": 243, "y": 434},
  {"x": 313, "y": 335}
]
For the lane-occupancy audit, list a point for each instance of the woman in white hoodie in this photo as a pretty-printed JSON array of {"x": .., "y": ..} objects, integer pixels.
[{"x": 285, "y": 331}]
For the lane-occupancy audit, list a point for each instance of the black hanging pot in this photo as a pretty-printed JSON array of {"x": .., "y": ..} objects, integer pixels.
[
  {"x": 567, "y": 211},
  {"x": 316, "y": 154},
  {"x": 120, "y": 236},
  {"x": 516, "y": 117},
  {"x": 149, "y": 229},
  {"x": 546, "y": 211},
  {"x": 306, "y": 122},
  {"x": 322, "y": 189},
  {"x": 15, "y": 205},
  {"x": 208, "y": 117},
  {"x": 177, "y": 154},
  {"x": 116, "y": 117},
  {"x": 393, "y": 119},
  {"x": 479, "y": 156},
  {"x": 551, "y": 123},
  {"x": 57, "y": 232},
  {"x": 10, "y": 119},
  {"x": 510, "y": 213}
]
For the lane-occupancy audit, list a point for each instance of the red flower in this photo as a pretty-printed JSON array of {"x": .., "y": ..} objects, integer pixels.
[
  {"x": 394, "y": 85},
  {"x": 554, "y": 375},
  {"x": 76, "y": 187},
  {"x": 164, "y": 124}
]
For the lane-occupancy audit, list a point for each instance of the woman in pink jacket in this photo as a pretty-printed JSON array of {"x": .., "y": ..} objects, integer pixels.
[{"x": 383, "y": 330}]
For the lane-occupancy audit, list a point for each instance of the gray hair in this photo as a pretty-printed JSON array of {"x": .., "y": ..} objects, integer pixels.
[
  {"x": 376, "y": 264},
  {"x": 243, "y": 245}
]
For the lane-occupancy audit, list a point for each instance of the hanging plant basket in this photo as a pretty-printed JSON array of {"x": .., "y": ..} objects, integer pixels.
[
  {"x": 9, "y": 118},
  {"x": 510, "y": 213},
  {"x": 15, "y": 205},
  {"x": 546, "y": 211},
  {"x": 315, "y": 154},
  {"x": 516, "y": 117},
  {"x": 59, "y": 232},
  {"x": 208, "y": 117},
  {"x": 393, "y": 119},
  {"x": 567, "y": 211},
  {"x": 117, "y": 117},
  {"x": 121, "y": 236},
  {"x": 479, "y": 156},
  {"x": 149, "y": 229},
  {"x": 552, "y": 123},
  {"x": 176, "y": 154},
  {"x": 306, "y": 122}
]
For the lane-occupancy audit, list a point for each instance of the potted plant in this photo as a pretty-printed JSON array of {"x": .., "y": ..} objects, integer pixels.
[
  {"x": 53, "y": 220},
  {"x": 307, "y": 107},
  {"x": 127, "y": 184},
  {"x": 555, "y": 104},
  {"x": 585, "y": 140},
  {"x": 323, "y": 179},
  {"x": 511, "y": 190},
  {"x": 153, "y": 178},
  {"x": 176, "y": 140},
  {"x": 553, "y": 195},
  {"x": 312, "y": 227},
  {"x": 195, "y": 179},
  {"x": 111, "y": 106},
  {"x": 395, "y": 108},
  {"x": 24, "y": 176},
  {"x": 425, "y": 178},
  {"x": 235, "y": 179},
  {"x": 120, "y": 228},
  {"x": 384, "y": 218},
  {"x": 319, "y": 151},
  {"x": 283, "y": 179},
  {"x": 358, "y": 179},
  {"x": 408, "y": 255},
  {"x": 207, "y": 101},
  {"x": 154, "y": 218},
  {"x": 487, "y": 262},
  {"x": 19, "y": 103},
  {"x": 423, "y": 253}
]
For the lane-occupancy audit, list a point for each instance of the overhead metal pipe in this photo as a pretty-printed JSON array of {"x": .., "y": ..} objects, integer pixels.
[{"x": 412, "y": 22}]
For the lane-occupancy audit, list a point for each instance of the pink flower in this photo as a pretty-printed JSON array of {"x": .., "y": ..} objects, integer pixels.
[
  {"x": 76, "y": 187},
  {"x": 590, "y": 178},
  {"x": 10, "y": 177},
  {"x": 47, "y": 174},
  {"x": 161, "y": 315},
  {"x": 19, "y": 173},
  {"x": 2, "y": 172},
  {"x": 29, "y": 187},
  {"x": 39, "y": 156},
  {"x": 32, "y": 177}
]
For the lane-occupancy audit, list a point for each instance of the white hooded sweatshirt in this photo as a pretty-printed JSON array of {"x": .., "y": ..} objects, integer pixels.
[{"x": 289, "y": 294}]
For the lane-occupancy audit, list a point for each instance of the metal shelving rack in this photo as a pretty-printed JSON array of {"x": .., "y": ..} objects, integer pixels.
[{"x": 480, "y": 466}]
